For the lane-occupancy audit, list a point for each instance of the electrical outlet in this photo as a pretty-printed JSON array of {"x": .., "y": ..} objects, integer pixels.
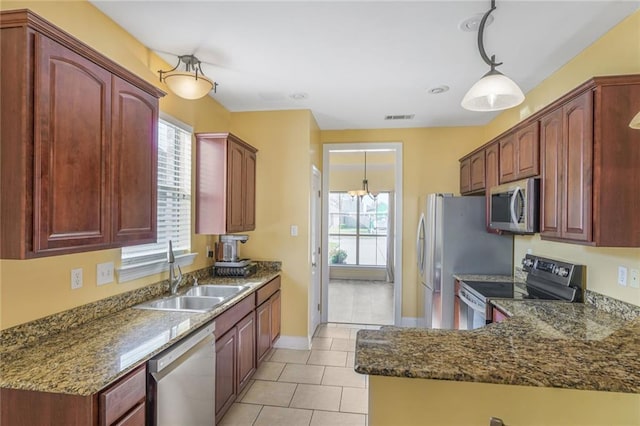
[
  {"x": 104, "y": 273},
  {"x": 76, "y": 278},
  {"x": 635, "y": 278},
  {"x": 622, "y": 276},
  {"x": 294, "y": 230}
]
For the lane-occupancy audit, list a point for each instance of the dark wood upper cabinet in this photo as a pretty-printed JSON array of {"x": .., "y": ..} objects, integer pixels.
[
  {"x": 472, "y": 173},
  {"x": 225, "y": 184},
  {"x": 590, "y": 173},
  {"x": 519, "y": 153},
  {"x": 465, "y": 175},
  {"x": 79, "y": 145}
]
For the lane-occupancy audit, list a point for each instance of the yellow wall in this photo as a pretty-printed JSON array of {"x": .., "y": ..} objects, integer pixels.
[
  {"x": 283, "y": 178},
  {"x": 430, "y": 164},
  {"x": 32, "y": 289},
  {"x": 617, "y": 52},
  {"x": 399, "y": 401},
  {"x": 350, "y": 170}
]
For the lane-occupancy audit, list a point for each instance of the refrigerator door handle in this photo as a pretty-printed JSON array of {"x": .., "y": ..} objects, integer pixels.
[{"x": 420, "y": 240}]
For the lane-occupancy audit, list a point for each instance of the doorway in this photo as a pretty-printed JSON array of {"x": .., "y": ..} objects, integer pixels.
[{"x": 361, "y": 233}]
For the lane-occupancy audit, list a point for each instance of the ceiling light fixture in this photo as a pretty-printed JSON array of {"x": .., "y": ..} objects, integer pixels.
[
  {"x": 190, "y": 83},
  {"x": 635, "y": 122},
  {"x": 365, "y": 185},
  {"x": 494, "y": 91},
  {"x": 438, "y": 90}
]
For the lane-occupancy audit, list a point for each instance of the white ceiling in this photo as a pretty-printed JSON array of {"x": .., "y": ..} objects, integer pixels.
[{"x": 359, "y": 61}]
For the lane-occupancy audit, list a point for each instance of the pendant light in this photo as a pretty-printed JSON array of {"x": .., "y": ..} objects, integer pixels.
[
  {"x": 494, "y": 91},
  {"x": 635, "y": 122},
  {"x": 365, "y": 185},
  {"x": 190, "y": 83}
]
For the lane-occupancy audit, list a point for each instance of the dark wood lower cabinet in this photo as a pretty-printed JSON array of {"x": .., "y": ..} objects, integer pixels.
[
  {"x": 246, "y": 350},
  {"x": 275, "y": 317},
  {"x": 263, "y": 322},
  {"x": 226, "y": 355}
]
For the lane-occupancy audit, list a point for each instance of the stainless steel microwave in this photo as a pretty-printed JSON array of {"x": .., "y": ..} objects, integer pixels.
[{"x": 514, "y": 206}]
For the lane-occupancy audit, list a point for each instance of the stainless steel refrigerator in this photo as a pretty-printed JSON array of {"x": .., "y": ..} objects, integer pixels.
[{"x": 452, "y": 238}]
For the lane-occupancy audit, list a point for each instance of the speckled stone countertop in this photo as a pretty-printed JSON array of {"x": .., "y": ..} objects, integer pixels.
[
  {"x": 83, "y": 360},
  {"x": 544, "y": 343}
]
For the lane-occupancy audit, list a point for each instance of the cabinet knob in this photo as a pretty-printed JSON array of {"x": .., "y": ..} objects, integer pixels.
[{"x": 494, "y": 421}]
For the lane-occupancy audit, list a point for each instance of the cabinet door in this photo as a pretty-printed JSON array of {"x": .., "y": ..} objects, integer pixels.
[
  {"x": 477, "y": 171},
  {"x": 249, "y": 201},
  {"x": 263, "y": 326},
  {"x": 225, "y": 372},
  {"x": 134, "y": 170},
  {"x": 235, "y": 191},
  {"x": 275, "y": 317},
  {"x": 578, "y": 167},
  {"x": 246, "y": 329},
  {"x": 551, "y": 184},
  {"x": 508, "y": 158},
  {"x": 71, "y": 152},
  {"x": 528, "y": 151},
  {"x": 465, "y": 175}
]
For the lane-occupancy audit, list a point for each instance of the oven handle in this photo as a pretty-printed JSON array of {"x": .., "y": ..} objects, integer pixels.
[{"x": 471, "y": 301}]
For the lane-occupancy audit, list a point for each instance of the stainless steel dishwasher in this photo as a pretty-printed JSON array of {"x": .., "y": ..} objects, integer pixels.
[{"x": 181, "y": 382}]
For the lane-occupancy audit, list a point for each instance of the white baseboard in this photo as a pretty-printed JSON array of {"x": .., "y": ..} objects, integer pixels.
[
  {"x": 409, "y": 322},
  {"x": 293, "y": 342}
]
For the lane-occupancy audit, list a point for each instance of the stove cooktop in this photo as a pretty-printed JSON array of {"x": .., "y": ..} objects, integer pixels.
[{"x": 506, "y": 290}]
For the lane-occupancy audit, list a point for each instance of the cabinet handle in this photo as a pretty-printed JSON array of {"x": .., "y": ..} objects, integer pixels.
[{"x": 494, "y": 421}]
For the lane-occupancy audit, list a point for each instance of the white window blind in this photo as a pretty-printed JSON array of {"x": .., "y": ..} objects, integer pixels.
[{"x": 174, "y": 198}]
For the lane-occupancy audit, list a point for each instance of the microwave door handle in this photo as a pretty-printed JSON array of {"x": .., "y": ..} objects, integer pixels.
[{"x": 514, "y": 197}]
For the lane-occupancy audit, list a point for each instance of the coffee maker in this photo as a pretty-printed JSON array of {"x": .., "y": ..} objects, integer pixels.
[{"x": 227, "y": 250}]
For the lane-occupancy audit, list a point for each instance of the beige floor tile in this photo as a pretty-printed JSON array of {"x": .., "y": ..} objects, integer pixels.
[
  {"x": 351, "y": 359},
  {"x": 317, "y": 397},
  {"x": 333, "y": 358},
  {"x": 343, "y": 376},
  {"x": 290, "y": 355},
  {"x": 354, "y": 400},
  {"x": 330, "y": 418},
  {"x": 245, "y": 390},
  {"x": 323, "y": 343},
  {"x": 340, "y": 333},
  {"x": 343, "y": 345},
  {"x": 301, "y": 373},
  {"x": 241, "y": 415},
  {"x": 270, "y": 393},
  {"x": 272, "y": 416},
  {"x": 269, "y": 370}
]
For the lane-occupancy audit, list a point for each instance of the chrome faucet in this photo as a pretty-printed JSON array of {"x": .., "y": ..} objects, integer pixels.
[{"x": 173, "y": 280}]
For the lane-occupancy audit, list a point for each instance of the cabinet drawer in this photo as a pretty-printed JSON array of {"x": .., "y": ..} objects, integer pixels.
[
  {"x": 267, "y": 290},
  {"x": 230, "y": 317},
  {"x": 124, "y": 395},
  {"x": 135, "y": 418}
]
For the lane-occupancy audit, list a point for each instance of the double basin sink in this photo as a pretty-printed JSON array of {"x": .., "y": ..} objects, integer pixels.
[{"x": 200, "y": 298}]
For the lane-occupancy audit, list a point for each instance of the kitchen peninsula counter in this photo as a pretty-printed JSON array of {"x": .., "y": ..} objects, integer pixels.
[
  {"x": 544, "y": 344},
  {"x": 84, "y": 359}
]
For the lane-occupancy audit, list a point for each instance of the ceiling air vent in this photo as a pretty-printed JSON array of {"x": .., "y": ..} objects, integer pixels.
[{"x": 399, "y": 117}]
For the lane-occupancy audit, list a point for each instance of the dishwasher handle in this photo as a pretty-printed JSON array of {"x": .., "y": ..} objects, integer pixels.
[{"x": 158, "y": 364}]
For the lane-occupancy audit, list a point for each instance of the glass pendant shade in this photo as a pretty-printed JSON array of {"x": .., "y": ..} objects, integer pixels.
[
  {"x": 635, "y": 122},
  {"x": 493, "y": 92},
  {"x": 187, "y": 86}
]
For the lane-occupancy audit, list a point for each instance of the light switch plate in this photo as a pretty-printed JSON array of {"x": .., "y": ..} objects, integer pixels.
[
  {"x": 104, "y": 273},
  {"x": 294, "y": 230},
  {"x": 76, "y": 278},
  {"x": 622, "y": 276}
]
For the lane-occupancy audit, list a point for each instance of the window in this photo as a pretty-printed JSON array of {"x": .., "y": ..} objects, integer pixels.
[
  {"x": 174, "y": 207},
  {"x": 358, "y": 229}
]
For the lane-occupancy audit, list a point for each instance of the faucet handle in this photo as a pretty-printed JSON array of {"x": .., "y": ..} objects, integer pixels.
[
  {"x": 195, "y": 282},
  {"x": 179, "y": 277}
]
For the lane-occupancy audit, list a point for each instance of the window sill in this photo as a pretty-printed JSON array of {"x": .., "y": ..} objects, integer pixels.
[{"x": 133, "y": 272}]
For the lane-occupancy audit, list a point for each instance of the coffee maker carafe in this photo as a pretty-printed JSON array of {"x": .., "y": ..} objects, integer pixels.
[{"x": 228, "y": 247}]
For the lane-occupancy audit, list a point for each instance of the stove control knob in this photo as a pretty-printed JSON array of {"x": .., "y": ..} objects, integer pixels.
[
  {"x": 527, "y": 262},
  {"x": 563, "y": 272}
]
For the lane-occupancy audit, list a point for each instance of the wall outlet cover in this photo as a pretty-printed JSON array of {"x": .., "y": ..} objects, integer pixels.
[
  {"x": 635, "y": 278},
  {"x": 104, "y": 273},
  {"x": 76, "y": 278},
  {"x": 622, "y": 276}
]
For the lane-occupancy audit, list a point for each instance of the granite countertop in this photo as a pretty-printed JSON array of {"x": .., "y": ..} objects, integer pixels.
[
  {"x": 85, "y": 359},
  {"x": 544, "y": 343}
]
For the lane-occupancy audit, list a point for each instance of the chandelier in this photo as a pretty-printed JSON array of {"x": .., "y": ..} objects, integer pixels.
[{"x": 365, "y": 185}]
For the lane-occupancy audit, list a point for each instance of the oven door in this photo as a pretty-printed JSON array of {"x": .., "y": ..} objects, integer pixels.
[{"x": 472, "y": 312}]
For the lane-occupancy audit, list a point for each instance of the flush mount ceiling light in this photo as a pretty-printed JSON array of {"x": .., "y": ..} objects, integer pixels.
[
  {"x": 635, "y": 122},
  {"x": 365, "y": 184},
  {"x": 494, "y": 91},
  {"x": 190, "y": 83},
  {"x": 438, "y": 90}
]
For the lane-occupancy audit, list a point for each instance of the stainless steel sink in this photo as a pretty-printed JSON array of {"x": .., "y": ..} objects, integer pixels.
[
  {"x": 183, "y": 303},
  {"x": 225, "y": 291}
]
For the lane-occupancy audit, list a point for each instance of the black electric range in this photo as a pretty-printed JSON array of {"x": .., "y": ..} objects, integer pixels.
[{"x": 547, "y": 279}]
